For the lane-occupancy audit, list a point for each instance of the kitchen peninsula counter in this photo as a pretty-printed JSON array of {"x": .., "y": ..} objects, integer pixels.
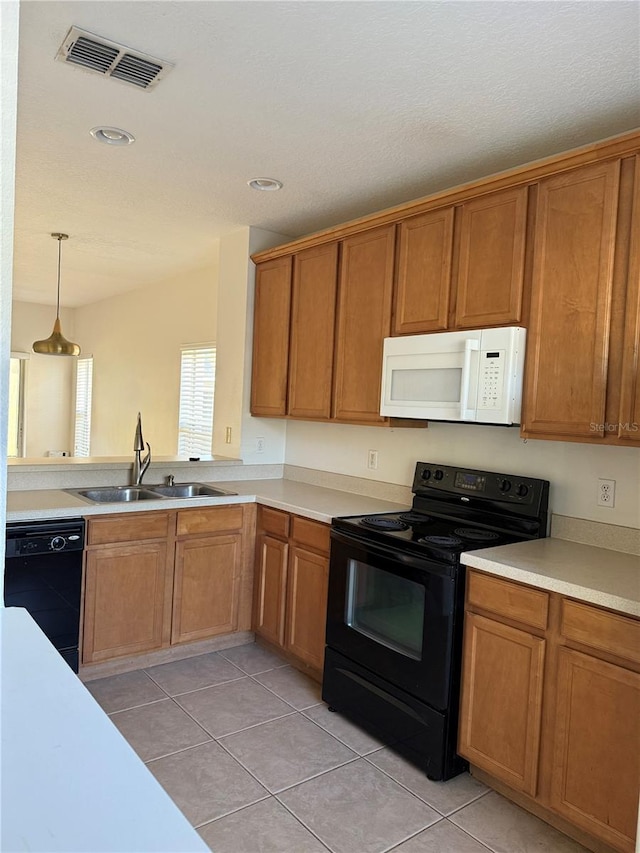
[
  {"x": 70, "y": 780},
  {"x": 599, "y": 576}
]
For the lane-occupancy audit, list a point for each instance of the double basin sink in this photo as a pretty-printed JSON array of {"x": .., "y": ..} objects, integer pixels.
[{"x": 127, "y": 494}]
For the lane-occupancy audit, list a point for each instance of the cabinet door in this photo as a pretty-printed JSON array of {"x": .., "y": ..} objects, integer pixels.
[
  {"x": 271, "y": 337},
  {"x": 568, "y": 339},
  {"x": 127, "y": 601},
  {"x": 491, "y": 260},
  {"x": 595, "y": 780},
  {"x": 270, "y": 588},
  {"x": 424, "y": 273},
  {"x": 364, "y": 320},
  {"x": 307, "y": 605},
  {"x": 629, "y": 425},
  {"x": 205, "y": 592},
  {"x": 313, "y": 314},
  {"x": 501, "y": 701}
]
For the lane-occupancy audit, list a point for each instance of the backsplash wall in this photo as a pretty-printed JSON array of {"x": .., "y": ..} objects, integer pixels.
[{"x": 573, "y": 469}]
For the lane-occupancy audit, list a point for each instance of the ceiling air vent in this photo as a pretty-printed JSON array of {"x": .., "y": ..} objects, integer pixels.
[{"x": 111, "y": 59}]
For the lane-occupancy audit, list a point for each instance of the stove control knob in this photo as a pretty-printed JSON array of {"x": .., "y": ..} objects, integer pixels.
[
  {"x": 522, "y": 490},
  {"x": 426, "y": 474},
  {"x": 504, "y": 485},
  {"x": 439, "y": 474},
  {"x": 57, "y": 543}
]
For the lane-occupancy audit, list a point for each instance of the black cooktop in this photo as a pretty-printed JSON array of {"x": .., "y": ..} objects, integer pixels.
[
  {"x": 441, "y": 538},
  {"x": 456, "y": 510}
]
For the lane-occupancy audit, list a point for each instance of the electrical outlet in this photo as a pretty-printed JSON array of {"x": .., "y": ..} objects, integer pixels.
[
  {"x": 606, "y": 493},
  {"x": 372, "y": 461},
  {"x": 260, "y": 445}
]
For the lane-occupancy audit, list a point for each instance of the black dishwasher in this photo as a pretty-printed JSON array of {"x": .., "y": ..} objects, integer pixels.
[{"x": 43, "y": 574}]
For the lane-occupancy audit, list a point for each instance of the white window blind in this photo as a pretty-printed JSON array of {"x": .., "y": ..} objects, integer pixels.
[
  {"x": 197, "y": 384},
  {"x": 84, "y": 382}
]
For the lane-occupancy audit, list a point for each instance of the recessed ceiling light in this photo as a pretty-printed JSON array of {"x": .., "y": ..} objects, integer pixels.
[
  {"x": 112, "y": 135},
  {"x": 265, "y": 184}
]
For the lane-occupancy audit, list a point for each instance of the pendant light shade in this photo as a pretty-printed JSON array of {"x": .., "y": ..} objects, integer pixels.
[{"x": 56, "y": 343}]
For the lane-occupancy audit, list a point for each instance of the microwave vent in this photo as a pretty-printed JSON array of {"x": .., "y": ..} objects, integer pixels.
[{"x": 111, "y": 59}]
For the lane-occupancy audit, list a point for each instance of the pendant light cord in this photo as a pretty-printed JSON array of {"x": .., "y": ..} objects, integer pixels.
[{"x": 58, "y": 297}]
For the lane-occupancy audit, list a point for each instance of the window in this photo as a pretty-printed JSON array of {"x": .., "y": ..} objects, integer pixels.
[
  {"x": 197, "y": 383},
  {"x": 17, "y": 378},
  {"x": 82, "y": 429}
]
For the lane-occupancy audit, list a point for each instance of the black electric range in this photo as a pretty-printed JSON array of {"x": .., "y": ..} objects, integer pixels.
[{"x": 396, "y": 599}]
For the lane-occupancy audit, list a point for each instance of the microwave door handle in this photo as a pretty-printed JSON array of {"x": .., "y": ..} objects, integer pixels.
[{"x": 470, "y": 345}]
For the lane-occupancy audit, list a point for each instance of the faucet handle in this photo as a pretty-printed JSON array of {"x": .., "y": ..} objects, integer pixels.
[{"x": 169, "y": 479}]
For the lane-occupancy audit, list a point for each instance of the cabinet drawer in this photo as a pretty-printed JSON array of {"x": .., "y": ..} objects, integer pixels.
[
  {"x": 132, "y": 527},
  {"x": 598, "y": 629},
  {"x": 273, "y": 521},
  {"x": 314, "y": 534},
  {"x": 508, "y": 599},
  {"x": 209, "y": 520}
]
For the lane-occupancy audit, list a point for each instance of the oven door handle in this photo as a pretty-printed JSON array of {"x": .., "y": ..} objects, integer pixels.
[{"x": 375, "y": 549}]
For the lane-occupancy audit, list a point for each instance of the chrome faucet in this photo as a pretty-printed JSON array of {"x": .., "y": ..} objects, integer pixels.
[{"x": 140, "y": 465}]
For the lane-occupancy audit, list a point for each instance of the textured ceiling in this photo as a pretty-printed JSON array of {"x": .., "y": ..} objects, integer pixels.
[{"x": 354, "y": 106}]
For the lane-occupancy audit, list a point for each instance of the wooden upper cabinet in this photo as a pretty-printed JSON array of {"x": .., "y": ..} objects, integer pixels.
[
  {"x": 313, "y": 311},
  {"x": 568, "y": 339},
  {"x": 629, "y": 423},
  {"x": 364, "y": 320},
  {"x": 271, "y": 337},
  {"x": 490, "y": 281},
  {"x": 423, "y": 282}
]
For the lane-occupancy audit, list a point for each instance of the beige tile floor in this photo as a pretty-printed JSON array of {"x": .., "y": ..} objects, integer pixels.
[{"x": 244, "y": 745}]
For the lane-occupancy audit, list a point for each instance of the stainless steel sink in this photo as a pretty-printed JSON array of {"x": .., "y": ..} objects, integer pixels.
[
  {"x": 189, "y": 490},
  {"x": 126, "y": 494},
  {"x": 115, "y": 494}
]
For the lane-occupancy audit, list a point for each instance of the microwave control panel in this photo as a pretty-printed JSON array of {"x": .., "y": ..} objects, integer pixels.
[{"x": 491, "y": 380}]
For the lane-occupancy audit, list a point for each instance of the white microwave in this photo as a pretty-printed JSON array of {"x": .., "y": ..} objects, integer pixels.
[{"x": 473, "y": 376}]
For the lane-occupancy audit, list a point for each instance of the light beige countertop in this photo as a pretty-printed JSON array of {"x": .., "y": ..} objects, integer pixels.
[
  {"x": 597, "y": 575},
  {"x": 314, "y": 502}
]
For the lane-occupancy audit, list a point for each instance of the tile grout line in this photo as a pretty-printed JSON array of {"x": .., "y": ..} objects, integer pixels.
[{"x": 413, "y": 835}]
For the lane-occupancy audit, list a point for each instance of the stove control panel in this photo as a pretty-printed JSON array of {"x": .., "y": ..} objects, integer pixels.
[{"x": 508, "y": 488}]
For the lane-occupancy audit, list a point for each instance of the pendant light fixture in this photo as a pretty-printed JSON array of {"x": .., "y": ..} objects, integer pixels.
[{"x": 56, "y": 343}]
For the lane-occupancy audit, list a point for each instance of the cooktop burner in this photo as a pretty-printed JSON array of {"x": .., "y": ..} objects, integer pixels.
[
  {"x": 415, "y": 517},
  {"x": 383, "y": 523},
  {"x": 476, "y": 535},
  {"x": 442, "y": 541}
]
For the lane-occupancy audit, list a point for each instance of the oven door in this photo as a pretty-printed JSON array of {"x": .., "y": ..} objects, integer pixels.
[{"x": 393, "y": 613}]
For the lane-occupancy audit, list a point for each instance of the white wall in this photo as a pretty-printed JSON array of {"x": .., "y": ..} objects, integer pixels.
[
  {"x": 572, "y": 468},
  {"x": 49, "y": 380},
  {"x": 135, "y": 341},
  {"x": 235, "y": 341}
]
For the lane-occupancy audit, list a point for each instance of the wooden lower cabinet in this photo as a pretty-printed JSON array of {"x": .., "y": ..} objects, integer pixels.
[
  {"x": 125, "y": 602},
  {"x": 291, "y": 580},
  {"x": 502, "y": 701},
  {"x": 597, "y": 747},
  {"x": 550, "y": 707},
  {"x": 156, "y": 579},
  {"x": 307, "y": 605},
  {"x": 271, "y": 586},
  {"x": 205, "y": 587}
]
